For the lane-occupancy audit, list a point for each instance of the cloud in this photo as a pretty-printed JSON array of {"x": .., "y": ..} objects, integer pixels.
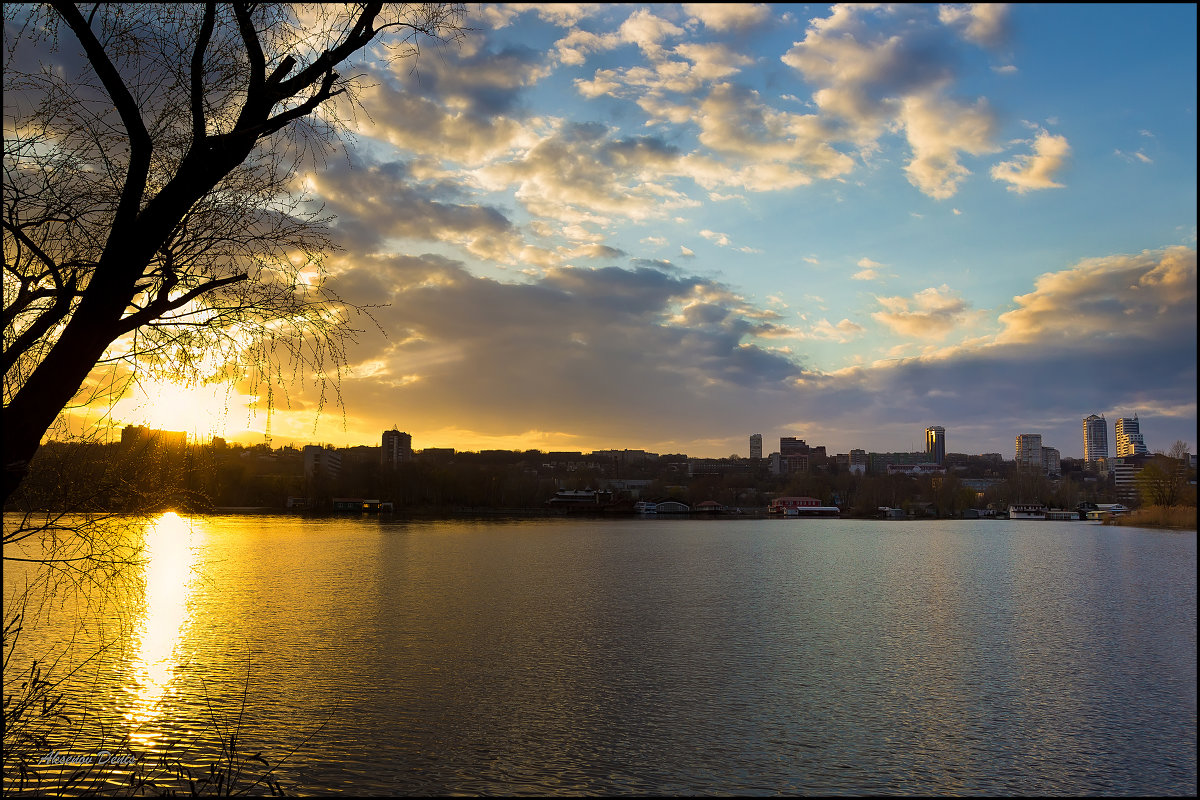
[
  {"x": 929, "y": 314},
  {"x": 574, "y": 48},
  {"x": 699, "y": 64},
  {"x": 1135, "y": 157},
  {"x": 1143, "y": 296},
  {"x": 843, "y": 332},
  {"x": 648, "y": 356},
  {"x": 586, "y": 345},
  {"x": 712, "y": 61},
  {"x": 875, "y": 71},
  {"x": 759, "y": 148},
  {"x": 564, "y": 15},
  {"x": 646, "y": 30},
  {"x": 422, "y": 125},
  {"x": 641, "y": 28},
  {"x": 719, "y": 239},
  {"x": 1051, "y": 364},
  {"x": 581, "y": 173},
  {"x": 869, "y": 271},
  {"x": 728, "y": 16},
  {"x": 938, "y": 130},
  {"x": 373, "y": 202},
  {"x": 893, "y": 74},
  {"x": 1028, "y": 173},
  {"x": 983, "y": 23}
]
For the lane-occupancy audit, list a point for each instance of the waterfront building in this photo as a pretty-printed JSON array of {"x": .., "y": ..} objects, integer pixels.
[
  {"x": 715, "y": 466},
  {"x": 793, "y": 454},
  {"x": 323, "y": 461},
  {"x": 397, "y": 448},
  {"x": 1029, "y": 451},
  {"x": 756, "y": 445},
  {"x": 1095, "y": 439},
  {"x": 132, "y": 435},
  {"x": 935, "y": 444},
  {"x": 817, "y": 457},
  {"x": 1129, "y": 437},
  {"x": 1051, "y": 461},
  {"x": 801, "y": 507},
  {"x": 915, "y": 470},
  {"x": 878, "y": 463},
  {"x": 1125, "y": 470},
  {"x": 790, "y": 445}
]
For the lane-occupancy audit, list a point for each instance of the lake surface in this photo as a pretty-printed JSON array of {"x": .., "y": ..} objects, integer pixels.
[{"x": 653, "y": 656}]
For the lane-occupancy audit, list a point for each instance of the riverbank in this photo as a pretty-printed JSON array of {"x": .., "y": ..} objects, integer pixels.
[{"x": 1181, "y": 518}]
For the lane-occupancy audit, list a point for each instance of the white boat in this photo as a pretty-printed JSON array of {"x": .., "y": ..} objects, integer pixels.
[
  {"x": 1026, "y": 511},
  {"x": 813, "y": 511},
  {"x": 801, "y": 507}
]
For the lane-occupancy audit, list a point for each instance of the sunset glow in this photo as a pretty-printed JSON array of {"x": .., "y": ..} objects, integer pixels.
[
  {"x": 170, "y": 561},
  {"x": 200, "y": 411},
  {"x": 669, "y": 226}
]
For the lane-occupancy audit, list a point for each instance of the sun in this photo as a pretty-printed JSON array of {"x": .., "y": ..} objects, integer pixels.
[{"x": 200, "y": 411}]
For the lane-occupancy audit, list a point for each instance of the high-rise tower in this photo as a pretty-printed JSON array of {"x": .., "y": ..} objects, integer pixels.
[
  {"x": 1129, "y": 437},
  {"x": 935, "y": 444},
  {"x": 756, "y": 445},
  {"x": 1095, "y": 438},
  {"x": 397, "y": 448},
  {"x": 1029, "y": 451}
]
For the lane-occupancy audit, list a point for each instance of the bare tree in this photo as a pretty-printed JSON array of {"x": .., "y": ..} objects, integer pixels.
[
  {"x": 153, "y": 220},
  {"x": 1179, "y": 451},
  {"x": 1161, "y": 482}
]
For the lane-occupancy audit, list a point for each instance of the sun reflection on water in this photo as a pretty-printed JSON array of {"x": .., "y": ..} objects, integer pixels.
[{"x": 171, "y": 548}]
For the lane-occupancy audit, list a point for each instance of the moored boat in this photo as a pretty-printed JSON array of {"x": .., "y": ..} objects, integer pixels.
[
  {"x": 801, "y": 507},
  {"x": 1026, "y": 511}
]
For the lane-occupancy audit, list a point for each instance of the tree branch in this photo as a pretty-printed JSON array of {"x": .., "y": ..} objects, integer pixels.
[
  {"x": 197, "y": 98},
  {"x": 42, "y": 256},
  {"x": 359, "y": 35},
  {"x": 45, "y": 321},
  {"x": 161, "y": 304},
  {"x": 258, "y": 68},
  {"x": 140, "y": 144}
]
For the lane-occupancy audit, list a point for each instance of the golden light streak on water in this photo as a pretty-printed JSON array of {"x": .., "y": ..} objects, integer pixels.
[{"x": 171, "y": 550}]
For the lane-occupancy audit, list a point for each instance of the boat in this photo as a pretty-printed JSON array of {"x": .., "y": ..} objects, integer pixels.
[
  {"x": 1106, "y": 511},
  {"x": 801, "y": 507},
  {"x": 1026, "y": 511}
]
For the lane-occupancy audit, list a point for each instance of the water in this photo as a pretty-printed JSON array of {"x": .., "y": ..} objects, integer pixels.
[{"x": 564, "y": 656}]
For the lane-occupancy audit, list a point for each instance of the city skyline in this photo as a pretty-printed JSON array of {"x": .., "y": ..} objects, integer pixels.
[
  {"x": 396, "y": 446},
  {"x": 664, "y": 226}
]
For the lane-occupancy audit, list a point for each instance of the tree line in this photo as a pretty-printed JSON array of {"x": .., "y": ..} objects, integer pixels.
[{"x": 89, "y": 477}]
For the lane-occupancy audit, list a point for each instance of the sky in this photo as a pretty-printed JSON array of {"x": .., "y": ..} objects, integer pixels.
[{"x": 668, "y": 227}]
